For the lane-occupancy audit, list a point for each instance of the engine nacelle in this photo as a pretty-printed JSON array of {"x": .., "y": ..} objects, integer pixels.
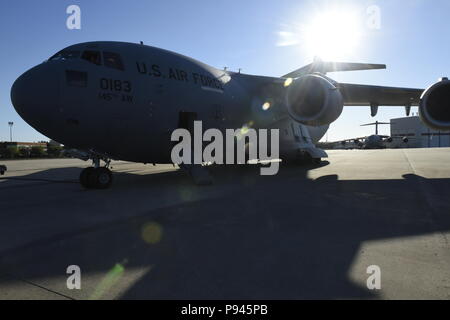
[
  {"x": 314, "y": 101},
  {"x": 434, "y": 106}
]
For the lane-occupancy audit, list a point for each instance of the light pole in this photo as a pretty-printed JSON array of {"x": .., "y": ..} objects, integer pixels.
[{"x": 10, "y": 130}]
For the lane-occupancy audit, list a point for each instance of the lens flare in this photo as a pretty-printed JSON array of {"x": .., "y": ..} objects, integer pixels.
[
  {"x": 244, "y": 130},
  {"x": 266, "y": 106},
  {"x": 152, "y": 233},
  {"x": 111, "y": 278},
  {"x": 288, "y": 82}
]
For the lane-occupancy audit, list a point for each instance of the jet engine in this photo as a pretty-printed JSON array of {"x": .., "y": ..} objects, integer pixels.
[
  {"x": 314, "y": 101},
  {"x": 434, "y": 105}
]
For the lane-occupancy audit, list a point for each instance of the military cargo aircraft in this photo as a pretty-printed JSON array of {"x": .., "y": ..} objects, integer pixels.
[
  {"x": 375, "y": 141},
  {"x": 122, "y": 101}
]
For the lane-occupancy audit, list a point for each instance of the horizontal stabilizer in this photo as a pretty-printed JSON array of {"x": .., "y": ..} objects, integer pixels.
[
  {"x": 374, "y": 124},
  {"x": 325, "y": 67}
]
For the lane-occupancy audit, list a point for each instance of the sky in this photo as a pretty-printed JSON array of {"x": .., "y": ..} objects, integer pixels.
[{"x": 269, "y": 38}]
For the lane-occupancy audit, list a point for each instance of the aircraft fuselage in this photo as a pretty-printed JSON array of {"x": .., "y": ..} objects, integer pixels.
[{"x": 124, "y": 100}]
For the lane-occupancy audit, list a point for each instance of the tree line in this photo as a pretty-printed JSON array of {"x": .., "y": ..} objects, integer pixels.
[{"x": 14, "y": 152}]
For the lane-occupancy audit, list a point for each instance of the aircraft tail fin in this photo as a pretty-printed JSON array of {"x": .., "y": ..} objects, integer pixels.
[{"x": 325, "y": 66}]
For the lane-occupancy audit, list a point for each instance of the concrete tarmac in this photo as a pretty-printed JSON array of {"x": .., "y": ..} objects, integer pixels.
[{"x": 306, "y": 233}]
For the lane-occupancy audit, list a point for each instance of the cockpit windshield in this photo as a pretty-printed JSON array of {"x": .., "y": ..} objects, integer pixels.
[
  {"x": 106, "y": 58},
  {"x": 112, "y": 60},
  {"x": 92, "y": 56},
  {"x": 65, "y": 55}
]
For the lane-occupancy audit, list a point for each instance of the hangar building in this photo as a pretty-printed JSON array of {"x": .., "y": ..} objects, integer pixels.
[{"x": 418, "y": 134}]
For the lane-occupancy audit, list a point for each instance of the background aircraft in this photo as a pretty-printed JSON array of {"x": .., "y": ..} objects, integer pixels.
[
  {"x": 375, "y": 141},
  {"x": 117, "y": 100}
]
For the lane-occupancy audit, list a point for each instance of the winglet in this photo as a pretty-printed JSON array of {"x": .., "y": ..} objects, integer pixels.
[{"x": 326, "y": 66}]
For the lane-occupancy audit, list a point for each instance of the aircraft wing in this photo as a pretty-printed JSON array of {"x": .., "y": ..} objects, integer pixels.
[
  {"x": 365, "y": 95},
  {"x": 362, "y": 95},
  {"x": 325, "y": 66}
]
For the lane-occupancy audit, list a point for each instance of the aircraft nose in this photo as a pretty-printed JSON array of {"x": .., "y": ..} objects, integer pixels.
[{"x": 35, "y": 96}]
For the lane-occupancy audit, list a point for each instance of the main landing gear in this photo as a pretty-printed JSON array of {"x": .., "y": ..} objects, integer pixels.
[{"x": 96, "y": 177}]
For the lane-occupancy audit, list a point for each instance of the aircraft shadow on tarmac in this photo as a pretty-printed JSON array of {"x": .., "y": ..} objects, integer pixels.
[{"x": 281, "y": 237}]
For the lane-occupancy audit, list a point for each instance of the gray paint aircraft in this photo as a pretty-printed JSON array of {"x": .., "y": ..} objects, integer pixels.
[
  {"x": 122, "y": 101},
  {"x": 375, "y": 141}
]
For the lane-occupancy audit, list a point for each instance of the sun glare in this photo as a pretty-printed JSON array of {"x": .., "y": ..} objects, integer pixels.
[{"x": 332, "y": 35}]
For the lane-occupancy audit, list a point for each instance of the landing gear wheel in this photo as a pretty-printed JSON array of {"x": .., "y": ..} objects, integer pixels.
[
  {"x": 96, "y": 178},
  {"x": 103, "y": 178},
  {"x": 85, "y": 177},
  {"x": 317, "y": 161}
]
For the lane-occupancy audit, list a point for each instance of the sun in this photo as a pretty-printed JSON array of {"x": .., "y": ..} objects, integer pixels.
[{"x": 332, "y": 36}]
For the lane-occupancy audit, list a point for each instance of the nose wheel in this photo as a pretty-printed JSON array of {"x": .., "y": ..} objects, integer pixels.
[{"x": 96, "y": 178}]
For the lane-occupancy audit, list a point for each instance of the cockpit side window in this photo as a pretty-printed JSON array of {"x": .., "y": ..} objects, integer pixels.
[
  {"x": 76, "y": 78},
  {"x": 113, "y": 60},
  {"x": 65, "y": 55},
  {"x": 92, "y": 56}
]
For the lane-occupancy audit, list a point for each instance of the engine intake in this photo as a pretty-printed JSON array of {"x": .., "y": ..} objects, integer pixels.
[
  {"x": 434, "y": 106},
  {"x": 314, "y": 101}
]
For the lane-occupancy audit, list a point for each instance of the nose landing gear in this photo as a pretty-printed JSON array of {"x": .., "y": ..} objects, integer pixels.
[{"x": 96, "y": 177}]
